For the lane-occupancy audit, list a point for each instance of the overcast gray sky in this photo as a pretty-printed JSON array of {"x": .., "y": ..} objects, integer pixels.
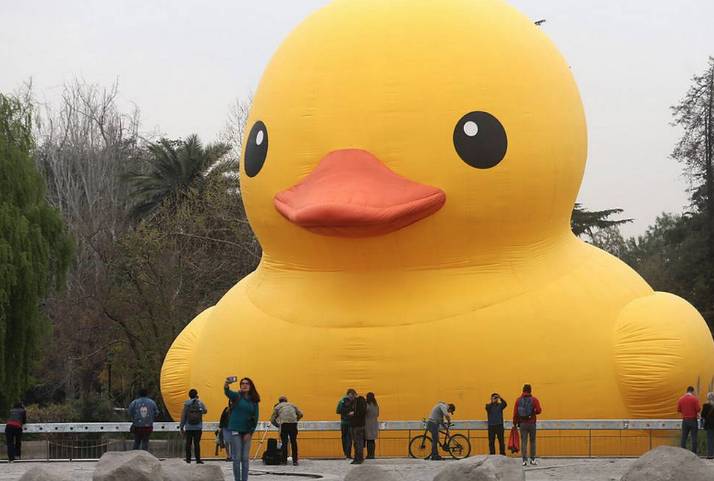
[{"x": 183, "y": 62}]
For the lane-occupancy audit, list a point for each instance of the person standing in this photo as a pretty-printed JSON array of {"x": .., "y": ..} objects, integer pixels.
[
  {"x": 242, "y": 423},
  {"x": 343, "y": 409},
  {"x": 191, "y": 424},
  {"x": 286, "y": 416},
  {"x": 525, "y": 414},
  {"x": 143, "y": 412},
  {"x": 439, "y": 413},
  {"x": 357, "y": 416},
  {"x": 371, "y": 427},
  {"x": 224, "y": 432},
  {"x": 494, "y": 411},
  {"x": 708, "y": 423},
  {"x": 13, "y": 431},
  {"x": 688, "y": 406}
]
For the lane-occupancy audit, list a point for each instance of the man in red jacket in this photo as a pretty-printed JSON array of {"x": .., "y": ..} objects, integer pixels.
[
  {"x": 526, "y": 409},
  {"x": 688, "y": 405}
]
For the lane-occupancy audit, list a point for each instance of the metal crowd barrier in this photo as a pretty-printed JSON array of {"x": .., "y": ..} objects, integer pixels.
[
  {"x": 548, "y": 425},
  {"x": 321, "y": 439}
]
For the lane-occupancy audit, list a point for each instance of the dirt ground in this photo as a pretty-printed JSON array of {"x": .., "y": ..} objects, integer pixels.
[{"x": 551, "y": 469}]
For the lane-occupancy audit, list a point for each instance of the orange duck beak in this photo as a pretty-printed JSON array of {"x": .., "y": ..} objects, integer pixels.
[{"x": 352, "y": 194}]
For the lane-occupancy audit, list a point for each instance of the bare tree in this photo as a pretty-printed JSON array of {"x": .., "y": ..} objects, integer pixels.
[{"x": 84, "y": 144}]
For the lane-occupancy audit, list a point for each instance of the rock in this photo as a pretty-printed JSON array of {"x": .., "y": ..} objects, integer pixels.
[
  {"x": 179, "y": 470},
  {"x": 489, "y": 468},
  {"x": 667, "y": 463},
  {"x": 369, "y": 472},
  {"x": 44, "y": 473},
  {"x": 127, "y": 466}
]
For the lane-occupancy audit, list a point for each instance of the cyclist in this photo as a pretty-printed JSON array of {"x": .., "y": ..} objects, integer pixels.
[{"x": 442, "y": 411}]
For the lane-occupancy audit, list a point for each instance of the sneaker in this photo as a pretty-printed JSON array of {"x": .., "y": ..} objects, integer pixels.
[
  {"x": 188, "y": 461},
  {"x": 295, "y": 463},
  {"x": 525, "y": 463},
  {"x": 199, "y": 462},
  {"x": 356, "y": 462},
  {"x": 436, "y": 458},
  {"x": 534, "y": 462}
]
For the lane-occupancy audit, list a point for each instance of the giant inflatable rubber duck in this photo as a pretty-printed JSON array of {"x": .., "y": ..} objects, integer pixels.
[{"x": 410, "y": 168}]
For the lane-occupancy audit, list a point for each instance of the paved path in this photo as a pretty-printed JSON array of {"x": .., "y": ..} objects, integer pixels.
[{"x": 553, "y": 469}]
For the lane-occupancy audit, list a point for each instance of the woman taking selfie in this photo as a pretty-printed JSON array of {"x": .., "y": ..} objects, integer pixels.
[{"x": 242, "y": 423}]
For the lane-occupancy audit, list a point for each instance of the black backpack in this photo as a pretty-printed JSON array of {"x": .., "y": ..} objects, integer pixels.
[
  {"x": 272, "y": 455},
  {"x": 194, "y": 413}
]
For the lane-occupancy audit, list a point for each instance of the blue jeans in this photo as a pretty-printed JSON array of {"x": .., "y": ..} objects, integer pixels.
[
  {"x": 240, "y": 450},
  {"x": 227, "y": 441},
  {"x": 710, "y": 443},
  {"x": 689, "y": 427},
  {"x": 434, "y": 430}
]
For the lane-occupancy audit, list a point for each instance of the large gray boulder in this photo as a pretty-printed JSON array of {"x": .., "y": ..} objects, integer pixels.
[
  {"x": 44, "y": 473},
  {"x": 369, "y": 472},
  {"x": 179, "y": 470},
  {"x": 667, "y": 463},
  {"x": 489, "y": 468},
  {"x": 127, "y": 466}
]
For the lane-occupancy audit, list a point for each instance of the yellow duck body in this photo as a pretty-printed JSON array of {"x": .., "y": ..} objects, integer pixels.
[{"x": 452, "y": 275}]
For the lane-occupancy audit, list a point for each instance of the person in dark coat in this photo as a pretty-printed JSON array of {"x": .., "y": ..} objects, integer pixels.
[
  {"x": 371, "y": 428},
  {"x": 357, "y": 418},
  {"x": 494, "y": 410},
  {"x": 13, "y": 431},
  {"x": 224, "y": 433},
  {"x": 343, "y": 408},
  {"x": 708, "y": 423}
]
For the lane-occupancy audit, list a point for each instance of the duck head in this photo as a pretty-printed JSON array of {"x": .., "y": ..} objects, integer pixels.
[{"x": 412, "y": 133}]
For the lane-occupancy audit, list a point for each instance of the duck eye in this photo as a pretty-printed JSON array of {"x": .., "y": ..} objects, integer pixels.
[
  {"x": 480, "y": 140},
  {"x": 257, "y": 149}
]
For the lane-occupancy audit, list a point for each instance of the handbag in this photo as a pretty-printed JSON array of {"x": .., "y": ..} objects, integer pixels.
[{"x": 514, "y": 441}]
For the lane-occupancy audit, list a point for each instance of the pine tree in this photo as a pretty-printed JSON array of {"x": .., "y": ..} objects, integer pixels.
[{"x": 35, "y": 250}]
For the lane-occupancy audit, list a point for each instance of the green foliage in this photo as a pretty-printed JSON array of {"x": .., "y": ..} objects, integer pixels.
[
  {"x": 171, "y": 267},
  {"x": 92, "y": 408},
  {"x": 174, "y": 168},
  {"x": 53, "y": 413},
  {"x": 35, "y": 250},
  {"x": 586, "y": 222}
]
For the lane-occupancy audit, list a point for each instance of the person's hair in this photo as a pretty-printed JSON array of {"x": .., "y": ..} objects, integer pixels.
[
  {"x": 690, "y": 388},
  {"x": 710, "y": 397},
  {"x": 452, "y": 408},
  {"x": 282, "y": 399},
  {"x": 494, "y": 394},
  {"x": 527, "y": 388},
  {"x": 351, "y": 391},
  {"x": 193, "y": 394},
  {"x": 371, "y": 399},
  {"x": 143, "y": 392},
  {"x": 252, "y": 392}
]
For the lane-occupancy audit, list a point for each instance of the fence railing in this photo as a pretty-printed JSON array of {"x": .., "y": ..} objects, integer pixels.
[
  {"x": 573, "y": 438},
  {"x": 547, "y": 425}
]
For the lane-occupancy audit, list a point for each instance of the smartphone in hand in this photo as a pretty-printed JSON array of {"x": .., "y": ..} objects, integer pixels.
[{"x": 231, "y": 379}]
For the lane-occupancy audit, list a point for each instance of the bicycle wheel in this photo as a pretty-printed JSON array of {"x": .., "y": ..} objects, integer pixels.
[
  {"x": 420, "y": 447},
  {"x": 459, "y": 446}
]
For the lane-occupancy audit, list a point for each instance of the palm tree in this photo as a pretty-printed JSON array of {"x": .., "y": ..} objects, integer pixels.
[{"x": 175, "y": 168}]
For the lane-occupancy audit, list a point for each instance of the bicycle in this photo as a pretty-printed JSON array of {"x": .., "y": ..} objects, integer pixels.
[{"x": 457, "y": 445}]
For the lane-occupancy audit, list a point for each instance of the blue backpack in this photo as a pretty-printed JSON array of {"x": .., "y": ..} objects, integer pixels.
[{"x": 525, "y": 407}]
